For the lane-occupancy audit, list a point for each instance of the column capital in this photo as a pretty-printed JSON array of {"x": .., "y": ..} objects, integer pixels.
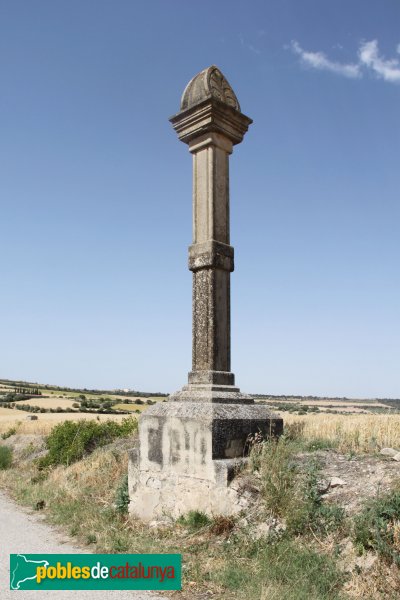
[{"x": 209, "y": 105}]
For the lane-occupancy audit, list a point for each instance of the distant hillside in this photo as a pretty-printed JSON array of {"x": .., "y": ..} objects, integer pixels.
[
  {"x": 394, "y": 402},
  {"x": 56, "y": 388}
]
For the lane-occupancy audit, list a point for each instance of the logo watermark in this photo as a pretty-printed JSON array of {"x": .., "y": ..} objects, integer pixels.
[{"x": 95, "y": 571}]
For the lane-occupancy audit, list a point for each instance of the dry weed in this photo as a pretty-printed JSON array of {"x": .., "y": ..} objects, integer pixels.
[{"x": 380, "y": 582}]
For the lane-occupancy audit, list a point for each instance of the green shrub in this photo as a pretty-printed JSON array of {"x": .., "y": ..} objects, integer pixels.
[
  {"x": 278, "y": 473},
  {"x": 5, "y": 457},
  {"x": 321, "y": 444},
  {"x": 71, "y": 440},
  {"x": 310, "y": 513},
  {"x": 194, "y": 519},
  {"x": 9, "y": 433},
  {"x": 122, "y": 496},
  {"x": 291, "y": 491},
  {"x": 377, "y": 527}
]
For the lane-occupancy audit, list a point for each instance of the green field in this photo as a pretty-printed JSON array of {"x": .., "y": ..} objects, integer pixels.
[{"x": 131, "y": 407}]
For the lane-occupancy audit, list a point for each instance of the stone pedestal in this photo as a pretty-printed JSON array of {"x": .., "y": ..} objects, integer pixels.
[
  {"x": 188, "y": 455},
  {"x": 191, "y": 446}
]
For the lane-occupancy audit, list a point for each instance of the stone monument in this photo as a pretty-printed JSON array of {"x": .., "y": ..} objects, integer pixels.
[{"x": 191, "y": 446}]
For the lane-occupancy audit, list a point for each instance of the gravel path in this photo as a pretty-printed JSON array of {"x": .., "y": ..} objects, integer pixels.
[{"x": 21, "y": 532}]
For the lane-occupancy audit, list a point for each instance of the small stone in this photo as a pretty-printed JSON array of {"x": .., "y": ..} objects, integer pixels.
[
  {"x": 336, "y": 482},
  {"x": 396, "y": 457},
  {"x": 153, "y": 524},
  {"x": 263, "y": 530},
  {"x": 366, "y": 561},
  {"x": 389, "y": 452},
  {"x": 323, "y": 486},
  {"x": 271, "y": 527}
]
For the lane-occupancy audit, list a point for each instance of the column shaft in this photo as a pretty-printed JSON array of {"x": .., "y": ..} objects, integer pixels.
[{"x": 211, "y": 260}]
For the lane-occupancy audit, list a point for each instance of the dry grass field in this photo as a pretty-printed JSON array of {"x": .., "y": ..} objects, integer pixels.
[
  {"x": 10, "y": 412},
  {"x": 335, "y": 403},
  {"x": 358, "y": 433},
  {"x": 45, "y": 421},
  {"x": 131, "y": 407},
  {"x": 330, "y": 404},
  {"x": 54, "y": 402},
  {"x": 63, "y": 399},
  {"x": 351, "y": 433}
]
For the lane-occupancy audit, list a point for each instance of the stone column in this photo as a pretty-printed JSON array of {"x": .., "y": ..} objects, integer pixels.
[
  {"x": 210, "y": 122},
  {"x": 189, "y": 447}
]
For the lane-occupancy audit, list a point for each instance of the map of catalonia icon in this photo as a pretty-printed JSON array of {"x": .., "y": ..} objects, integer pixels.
[{"x": 23, "y": 569}]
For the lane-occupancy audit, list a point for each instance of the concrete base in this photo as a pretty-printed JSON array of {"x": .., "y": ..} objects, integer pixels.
[{"x": 188, "y": 455}]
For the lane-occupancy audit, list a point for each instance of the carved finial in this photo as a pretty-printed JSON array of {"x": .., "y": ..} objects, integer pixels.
[{"x": 209, "y": 83}]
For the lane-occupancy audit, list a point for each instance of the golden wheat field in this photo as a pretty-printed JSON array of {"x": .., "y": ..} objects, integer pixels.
[
  {"x": 45, "y": 421},
  {"x": 53, "y": 402},
  {"x": 352, "y": 433}
]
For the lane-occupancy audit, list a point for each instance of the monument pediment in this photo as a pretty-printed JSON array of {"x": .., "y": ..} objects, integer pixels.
[{"x": 209, "y": 83}]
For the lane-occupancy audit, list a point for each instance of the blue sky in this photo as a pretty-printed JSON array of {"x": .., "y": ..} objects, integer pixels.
[{"x": 95, "y": 192}]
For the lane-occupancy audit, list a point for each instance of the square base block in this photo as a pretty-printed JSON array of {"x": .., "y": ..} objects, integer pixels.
[{"x": 188, "y": 455}]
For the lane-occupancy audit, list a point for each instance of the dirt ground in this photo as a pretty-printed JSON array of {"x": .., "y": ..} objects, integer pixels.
[{"x": 362, "y": 477}]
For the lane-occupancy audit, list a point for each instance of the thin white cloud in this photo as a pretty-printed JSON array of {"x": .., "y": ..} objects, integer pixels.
[
  {"x": 250, "y": 47},
  {"x": 389, "y": 70},
  {"x": 254, "y": 49},
  {"x": 318, "y": 60},
  {"x": 369, "y": 59}
]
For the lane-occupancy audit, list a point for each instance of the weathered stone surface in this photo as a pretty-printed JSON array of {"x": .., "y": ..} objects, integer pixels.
[
  {"x": 181, "y": 432},
  {"x": 209, "y": 83},
  {"x": 211, "y": 254},
  {"x": 211, "y": 116},
  {"x": 189, "y": 458},
  {"x": 212, "y": 392},
  {"x": 188, "y": 455},
  {"x": 178, "y": 494}
]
